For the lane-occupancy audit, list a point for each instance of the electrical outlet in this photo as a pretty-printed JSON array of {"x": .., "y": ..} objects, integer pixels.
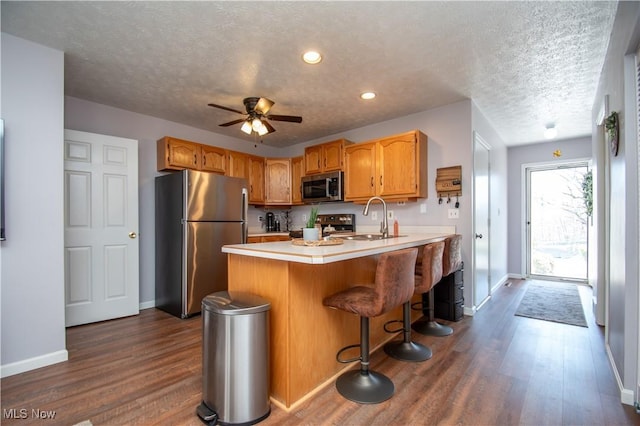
[
  {"x": 400, "y": 203},
  {"x": 390, "y": 215},
  {"x": 374, "y": 216},
  {"x": 423, "y": 207},
  {"x": 454, "y": 213},
  {"x": 304, "y": 217}
]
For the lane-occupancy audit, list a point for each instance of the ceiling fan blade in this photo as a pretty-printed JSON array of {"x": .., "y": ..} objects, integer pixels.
[
  {"x": 268, "y": 126},
  {"x": 225, "y": 108},
  {"x": 231, "y": 123},
  {"x": 290, "y": 118},
  {"x": 263, "y": 106}
]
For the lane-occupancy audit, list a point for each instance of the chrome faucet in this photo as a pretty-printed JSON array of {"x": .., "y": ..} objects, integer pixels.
[{"x": 384, "y": 225}]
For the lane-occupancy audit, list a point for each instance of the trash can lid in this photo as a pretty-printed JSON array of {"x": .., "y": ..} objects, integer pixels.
[{"x": 235, "y": 303}]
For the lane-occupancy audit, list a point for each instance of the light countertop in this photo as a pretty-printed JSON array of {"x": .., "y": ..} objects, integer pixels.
[{"x": 350, "y": 249}]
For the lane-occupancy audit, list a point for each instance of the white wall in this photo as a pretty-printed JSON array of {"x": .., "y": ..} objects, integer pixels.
[
  {"x": 32, "y": 280},
  {"x": 622, "y": 322},
  {"x": 571, "y": 149}
]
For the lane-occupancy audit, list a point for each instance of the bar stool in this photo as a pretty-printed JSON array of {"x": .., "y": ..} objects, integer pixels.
[
  {"x": 393, "y": 286},
  {"x": 428, "y": 273},
  {"x": 406, "y": 349}
]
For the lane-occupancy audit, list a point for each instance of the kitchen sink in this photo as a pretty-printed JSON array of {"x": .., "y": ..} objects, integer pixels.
[{"x": 366, "y": 237}]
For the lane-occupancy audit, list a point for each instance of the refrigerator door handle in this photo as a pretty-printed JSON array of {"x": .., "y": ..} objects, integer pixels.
[{"x": 245, "y": 214}]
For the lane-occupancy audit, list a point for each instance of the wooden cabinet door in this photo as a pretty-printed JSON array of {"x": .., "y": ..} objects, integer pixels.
[
  {"x": 332, "y": 156},
  {"x": 360, "y": 171},
  {"x": 297, "y": 171},
  {"x": 238, "y": 164},
  {"x": 256, "y": 180},
  {"x": 313, "y": 159},
  {"x": 177, "y": 154},
  {"x": 278, "y": 181},
  {"x": 397, "y": 166},
  {"x": 213, "y": 159}
]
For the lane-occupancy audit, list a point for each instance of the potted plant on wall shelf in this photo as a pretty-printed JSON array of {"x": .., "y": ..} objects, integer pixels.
[
  {"x": 310, "y": 232},
  {"x": 613, "y": 131}
]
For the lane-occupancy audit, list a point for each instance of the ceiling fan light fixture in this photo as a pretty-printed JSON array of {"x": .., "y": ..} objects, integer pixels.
[
  {"x": 312, "y": 57},
  {"x": 367, "y": 95},
  {"x": 246, "y": 127},
  {"x": 256, "y": 124},
  {"x": 263, "y": 130},
  {"x": 550, "y": 131}
]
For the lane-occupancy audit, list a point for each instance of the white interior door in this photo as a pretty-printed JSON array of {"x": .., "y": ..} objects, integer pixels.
[
  {"x": 101, "y": 225},
  {"x": 481, "y": 269}
]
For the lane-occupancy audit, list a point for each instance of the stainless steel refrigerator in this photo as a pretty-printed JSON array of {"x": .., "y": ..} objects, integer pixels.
[{"x": 196, "y": 214}]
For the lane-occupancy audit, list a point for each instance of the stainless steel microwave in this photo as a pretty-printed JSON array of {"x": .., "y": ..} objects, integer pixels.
[{"x": 323, "y": 187}]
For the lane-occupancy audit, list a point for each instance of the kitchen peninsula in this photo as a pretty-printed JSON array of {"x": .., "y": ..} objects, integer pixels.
[{"x": 304, "y": 334}]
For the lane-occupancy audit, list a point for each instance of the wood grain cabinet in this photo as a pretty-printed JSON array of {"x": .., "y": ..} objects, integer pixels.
[
  {"x": 213, "y": 159},
  {"x": 297, "y": 171},
  {"x": 326, "y": 157},
  {"x": 238, "y": 164},
  {"x": 256, "y": 179},
  {"x": 177, "y": 154},
  {"x": 277, "y": 181},
  {"x": 266, "y": 238},
  {"x": 393, "y": 167}
]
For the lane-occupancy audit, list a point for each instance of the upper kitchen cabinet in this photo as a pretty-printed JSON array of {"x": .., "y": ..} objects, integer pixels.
[
  {"x": 213, "y": 159},
  {"x": 360, "y": 171},
  {"x": 177, "y": 154},
  {"x": 256, "y": 179},
  {"x": 326, "y": 157},
  {"x": 297, "y": 171},
  {"x": 393, "y": 167},
  {"x": 277, "y": 181},
  {"x": 238, "y": 164}
]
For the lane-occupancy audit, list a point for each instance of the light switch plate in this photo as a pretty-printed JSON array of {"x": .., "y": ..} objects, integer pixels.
[{"x": 454, "y": 213}]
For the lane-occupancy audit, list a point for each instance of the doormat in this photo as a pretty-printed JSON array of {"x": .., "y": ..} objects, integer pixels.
[{"x": 557, "y": 302}]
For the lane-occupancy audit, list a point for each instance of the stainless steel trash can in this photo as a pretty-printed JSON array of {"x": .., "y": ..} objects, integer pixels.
[{"x": 235, "y": 359}]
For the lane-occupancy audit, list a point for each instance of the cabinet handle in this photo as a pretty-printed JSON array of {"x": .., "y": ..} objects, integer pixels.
[
  {"x": 380, "y": 180},
  {"x": 325, "y": 162},
  {"x": 195, "y": 159},
  {"x": 204, "y": 160},
  {"x": 372, "y": 181}
]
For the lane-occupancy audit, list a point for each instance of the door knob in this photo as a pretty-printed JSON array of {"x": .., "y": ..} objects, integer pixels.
[
  {"x": 479, "y": 236},
  {"x": 132, "y": 235}
]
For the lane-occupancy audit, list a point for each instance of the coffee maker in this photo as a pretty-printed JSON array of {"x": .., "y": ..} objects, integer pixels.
[{"x": 270, "y": 222}]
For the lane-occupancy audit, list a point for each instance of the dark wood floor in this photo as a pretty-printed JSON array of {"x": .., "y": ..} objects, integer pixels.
[{"x": 496, "y": 369}]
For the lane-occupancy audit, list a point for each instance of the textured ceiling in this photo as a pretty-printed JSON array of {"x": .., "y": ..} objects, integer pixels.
[{"x": 524, "y": 64}]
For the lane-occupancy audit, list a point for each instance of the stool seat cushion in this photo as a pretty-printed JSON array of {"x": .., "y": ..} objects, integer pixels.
[
  {"x": 394, "y": 285},
  {"x": 452, "y": 256},
  {"x": 430, "y": 267}
]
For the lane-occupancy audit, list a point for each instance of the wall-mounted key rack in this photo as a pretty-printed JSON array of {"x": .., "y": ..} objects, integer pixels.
[{"x": 449, "y": 182}]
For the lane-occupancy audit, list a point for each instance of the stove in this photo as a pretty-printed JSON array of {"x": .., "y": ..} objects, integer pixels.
[{"x": 339, "y": 223}]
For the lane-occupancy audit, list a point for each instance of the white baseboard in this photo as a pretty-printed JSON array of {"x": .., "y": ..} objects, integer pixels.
[
  {"x": 147, "y": 305},
  {"x": 33, "y": 363},
  {"x": 516, "y": 276},
  {"x": 469, "y": 311},
  {"x": 626, "y": 395}
]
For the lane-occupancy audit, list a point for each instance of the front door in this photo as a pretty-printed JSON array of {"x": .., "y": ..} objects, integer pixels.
[
  {"x": 101, "y": 225},
  {"x": 481, "y": 181}
]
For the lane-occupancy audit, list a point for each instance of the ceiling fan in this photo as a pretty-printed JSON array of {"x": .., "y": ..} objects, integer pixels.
[{"x": 257, "y": 116}]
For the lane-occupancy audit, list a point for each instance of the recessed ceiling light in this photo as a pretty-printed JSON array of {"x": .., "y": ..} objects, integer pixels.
[
  {"x": 367, "y": 95},
  {"x": 550, "y": 132},
  {"x": 312, "y": 57}
]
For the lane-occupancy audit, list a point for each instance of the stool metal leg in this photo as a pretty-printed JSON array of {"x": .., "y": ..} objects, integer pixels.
[
  {"x": 430, "y": 327},
  {"x": 363, "y": 385},
  {"x": 405, "y": 349}
]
